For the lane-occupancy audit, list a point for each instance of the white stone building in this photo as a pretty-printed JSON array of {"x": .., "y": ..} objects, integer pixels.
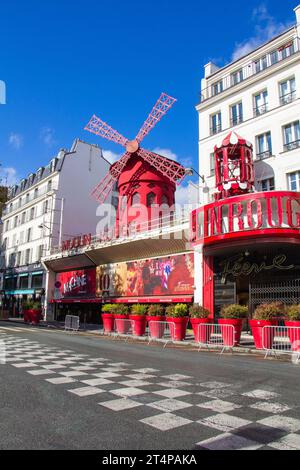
[
  {"x": 258, "y": 97},
  {"x": 49, "y": 206}
]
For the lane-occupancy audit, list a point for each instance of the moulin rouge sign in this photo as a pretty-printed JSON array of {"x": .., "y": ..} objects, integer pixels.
[
  {"x": 77, "y": 242},
  {"x": 275, "y": 213}
]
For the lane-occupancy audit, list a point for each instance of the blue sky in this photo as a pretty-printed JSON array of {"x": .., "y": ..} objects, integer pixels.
[{"x": 63, "y": 60}]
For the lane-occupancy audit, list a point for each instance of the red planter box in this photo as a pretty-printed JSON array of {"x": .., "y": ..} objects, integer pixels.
[
  {"x": 122, "y": 327},
  {"x": 32, "y": 316},
  {"x": 108, "y": 322},
  {"x": 157, "y": 330},
  {"x": 257, "y": 331},
  {"x": 202, "y": 334},
  {"x": 294, "y": 334},
  {"x": 231, "y": 336},
  {"x": 178, "y": 328},
  {"x": 139, "y": 323}
]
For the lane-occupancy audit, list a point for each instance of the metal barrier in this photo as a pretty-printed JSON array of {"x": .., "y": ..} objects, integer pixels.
[
  {"x": 161, "y": 331},
  {"x": 282, "y": 340},
  {"x": 123, "y": 328},
  {"x": 215, "y": 336},
  {"x": 72, "y": 323}
]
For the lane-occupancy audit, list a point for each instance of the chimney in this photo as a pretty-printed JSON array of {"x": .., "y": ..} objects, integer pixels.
[{"x": 211, "y": 68}]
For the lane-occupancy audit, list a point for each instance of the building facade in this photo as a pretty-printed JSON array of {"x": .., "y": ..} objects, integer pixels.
[
  {"x": 40, "y": 213},
  {"x": 246, "y": 233},
  {"x": 257, "y": 96}
]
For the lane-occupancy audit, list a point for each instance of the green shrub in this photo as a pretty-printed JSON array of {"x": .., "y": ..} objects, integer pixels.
[
  {"x": 139, "y": 309},
  {"x": 156, "y": 310},
  {"x": 293, "y": 313},
  {"x": 234, "y": 311},
  {"x": 177, "y": 311},
  {"x": 121, "y": 309},
  {"x": 269, "y": 311},
  {"x": 32, "y": 305},
  {"x": 197, "y": 311},
  {"x": 108, "y": 308}
]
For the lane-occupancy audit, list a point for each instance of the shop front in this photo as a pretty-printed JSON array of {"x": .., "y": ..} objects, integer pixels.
[
  {"x": 21, "y": 285},
  {"x": 164, "y": 280},
  {"x": 250, "y": 249}
]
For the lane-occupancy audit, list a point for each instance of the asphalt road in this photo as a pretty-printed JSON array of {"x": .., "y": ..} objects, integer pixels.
[{"x": 69, "y": 391}]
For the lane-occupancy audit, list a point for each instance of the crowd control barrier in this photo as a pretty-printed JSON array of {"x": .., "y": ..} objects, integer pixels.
[
  {"x": 278, "y": 340},
  {"x": 72, "y": 323},
  {"x": 213, "y": 335}
]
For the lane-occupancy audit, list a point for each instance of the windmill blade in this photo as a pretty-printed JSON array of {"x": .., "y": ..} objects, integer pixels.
[
  {"x": 172, "y": 170},
  {"x": 161, "y": 107},
  {"x": 99, "y": 127},
  {"x": 105, "y": 187}
]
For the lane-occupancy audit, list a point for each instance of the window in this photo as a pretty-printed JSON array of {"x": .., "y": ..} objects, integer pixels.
[
  {"x": 165, "y": 200},
  {"x": 18, "y": 261},
  {"x": 291, "y": 136},
  {"x": 263, "y": 145},
  {"x": 236, "y": 112},
  {"x": 287, "y": 50},
  {"x": 294, "y": 181},
  {"x": 7, "y": 226},
  {"x": 23, "y": 283},
  {"x": 21, "y": 238},
  {"x": 16, "y": 221},
  {"x": 287, "y": 91},
  {"x": 37, "y": 281},
  {"x": 212, "y": 164},
  {"x": 23, "y": 218},
  {"x": 49, "y": 186},
  {"x": 216, "y": 123},
  {"x": 14, "y": 240},
  {"x": 261, "y": 103},
  {"x": 136, "y": 199},
  {"x": 150, "y": 199},
  {"x": 261, "y": 64},
  {"x": 32, "y": 211},
  {"x": 29, "y": 235},
  {"x": 237, "y": 77},
  {"x": 27, "y": 256},
  {"x": 27, "y": 197},
  {"x": 40, "y": 252},
  {"x": 12, "y": 259},
  {"x": 36, "y": 193},
  {"x": 274, "y": 57},
  {"x": 268, "y": 184},
  {"x": 45, "y": 207},
  {"x": 217, "y": 88}
]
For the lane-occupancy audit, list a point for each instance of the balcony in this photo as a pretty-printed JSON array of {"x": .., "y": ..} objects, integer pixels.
[
  {"x": 260, "y": 110},
  {"x": 10, "y": 208},
  {"x": 291, "y": 146},
  {"x": 216, "y": 129},
  {"x": 236, "y": 120},
  {"x": 263, "y": 155},
  {"x": 252, "y": 69},
  {"x": 288, "y": 98}
]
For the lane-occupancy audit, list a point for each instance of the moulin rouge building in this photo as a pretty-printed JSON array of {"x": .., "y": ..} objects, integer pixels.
[{"x": 240, "y": 248}]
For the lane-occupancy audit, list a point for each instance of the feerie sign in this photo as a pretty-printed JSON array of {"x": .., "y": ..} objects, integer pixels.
[
  {"x": 76, "y": 242},
  {"x": 80, "y": 283},
  {"x": 273, "y": 213}
]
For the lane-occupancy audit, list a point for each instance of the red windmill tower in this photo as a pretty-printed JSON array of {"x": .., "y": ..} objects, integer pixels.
[
  {"x": 143, "y": 178},
  {"x": 234, "y": 167}
]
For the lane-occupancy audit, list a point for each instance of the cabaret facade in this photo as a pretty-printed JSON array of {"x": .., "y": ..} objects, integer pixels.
[{"x": 246, "y": 241}]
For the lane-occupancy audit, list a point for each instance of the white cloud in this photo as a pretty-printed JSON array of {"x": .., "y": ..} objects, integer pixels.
[
  {"x": 8, "y": 176},
  {"x": 47, "y": 136},
  {"x": 165, "y": 153},
  {"x": 112, "y": 157},
  {"x": 15, "y": 140},
  {"x": 265, "y": 27}
]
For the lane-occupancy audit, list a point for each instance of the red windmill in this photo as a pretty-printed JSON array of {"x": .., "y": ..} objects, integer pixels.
[{"x": 143, "y": 177}]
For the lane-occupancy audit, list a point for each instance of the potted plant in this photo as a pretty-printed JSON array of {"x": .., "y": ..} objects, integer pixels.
[
  {"x": 32, "y": 312},
  {"x": 138, "y": 319},
  {"x": 121, "y": 318},
  {"x": 232, "y": 315},
  {"x": 265, "y": 315},
  {"x": 199, "y": 320},
  {"x": 156, "y": 320},
  {"x": 293, "y": 323},
  {"x": 177, "y": 317},
  {"x": 108, "y": 317}
]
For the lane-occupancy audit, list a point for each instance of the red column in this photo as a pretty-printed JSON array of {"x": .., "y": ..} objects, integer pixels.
[{"x": 208, "y": 284}]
